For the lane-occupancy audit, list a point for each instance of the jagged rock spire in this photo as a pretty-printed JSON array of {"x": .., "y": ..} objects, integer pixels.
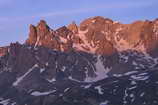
[{"x": 73, "y": 27}]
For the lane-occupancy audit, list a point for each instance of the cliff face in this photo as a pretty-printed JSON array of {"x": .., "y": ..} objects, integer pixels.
[
  {"x": 97, "y": 35},
  {"x": 42, "y": 35},
  {"x": 3, "y": 51},
  {"x": 97, "y": 62}
]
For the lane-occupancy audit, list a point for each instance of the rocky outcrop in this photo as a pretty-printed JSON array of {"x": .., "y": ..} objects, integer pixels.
[
  {"x": 3, "y": 51},
  {"x": 42, "y": 35},
  {"x": 73, "y": 27},
  {"x": 139, "y": 35},
  {"x": 32, "y": 35},
  {"x": 97, "y": 35}
]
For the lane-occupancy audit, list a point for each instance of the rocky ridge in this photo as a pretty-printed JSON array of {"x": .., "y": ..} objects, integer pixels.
[
  {"x": 97, "y": 35},
  {"x": 99, "y": 58}
]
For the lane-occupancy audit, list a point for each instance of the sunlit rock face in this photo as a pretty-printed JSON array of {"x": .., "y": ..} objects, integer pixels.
[
  {"x": 97, "y": 35},
  {"x": 3, "y": 51},
  {"x": 98, "y": 62}
]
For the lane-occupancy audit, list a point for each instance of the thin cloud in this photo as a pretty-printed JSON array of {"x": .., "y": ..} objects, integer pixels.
[
  {"x": 95, "y": 8},
  {"x": 112, "y": 6}
]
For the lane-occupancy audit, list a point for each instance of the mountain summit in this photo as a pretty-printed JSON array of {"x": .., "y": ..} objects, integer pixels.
[
  {"x": 97, "y": 35},
  {"x": 99, "y": 62}
]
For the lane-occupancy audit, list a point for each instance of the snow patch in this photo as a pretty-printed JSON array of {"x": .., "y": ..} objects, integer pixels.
[
  {"x": 63, "y": 40},
  {"x": 101, "y": 71},
  {"x": 93, "y": 21},
  {"x": 115, "y": 22},
  {"x": 51, "y": 80},
  {"x": 99, "y": 89},
  {"x": 133, "y": 83},
  {"x": 70, "y": 77},
  {"x": 134, "y": 63},
  {"x": 132, "y": 72},
  {"x": 38, "y": 39},
  {"x": 5, "y": 102},
  {"x": 142, "y": 94},
  {"x": 42, "y": 70},
  {"x": 37, "y": 93},
  {"x": 22, "y": 77},
  {"x": 104, "y": 103},
  {"x": 117, "y": 75},
  {"x": 66, "y": 89},
  {"x": 87, "y": 86},
  {"x": 47, "y": 63},
  {"x": 131, "y": 88},
  {"x": 138, "y": 77},
  {"x": 63, "y": 68},
  {"x": 131, "y": 95}
]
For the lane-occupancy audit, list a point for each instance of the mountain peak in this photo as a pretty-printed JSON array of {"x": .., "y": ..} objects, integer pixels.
[
  {"x": 97, "y": 35},
  {"x": 73, "y": 27},
  {"x": 42, "y": 25},
  {"x": 99, "y": 59}
]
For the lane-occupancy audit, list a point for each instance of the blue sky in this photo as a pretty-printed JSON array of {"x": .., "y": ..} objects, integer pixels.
[{"x": 16, "y": 15}]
